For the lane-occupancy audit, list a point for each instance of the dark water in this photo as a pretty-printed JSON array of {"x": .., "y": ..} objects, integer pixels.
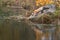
[{"x": 14, "y": 30}]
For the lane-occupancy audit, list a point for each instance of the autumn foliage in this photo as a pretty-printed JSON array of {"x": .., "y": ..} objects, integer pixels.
[{"x": 43, "y": 2}]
